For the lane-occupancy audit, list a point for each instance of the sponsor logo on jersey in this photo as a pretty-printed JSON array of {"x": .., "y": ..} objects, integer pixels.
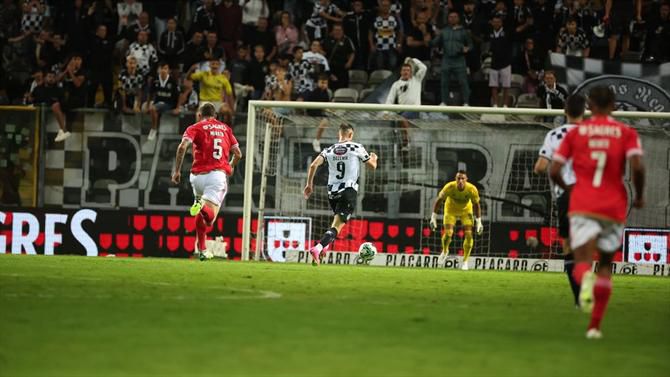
[{"x": 340, "y": 150}]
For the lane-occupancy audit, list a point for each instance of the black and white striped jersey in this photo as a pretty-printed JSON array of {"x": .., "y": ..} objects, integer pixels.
[
  {"x": 551, "y": 143},
  {"x": 344, "y": 165}
]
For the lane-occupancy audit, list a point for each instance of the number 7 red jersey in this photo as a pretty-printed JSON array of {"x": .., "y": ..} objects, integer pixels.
[
  {"x": 599, "y": 148},
  {"x": 212, "y": 141}
]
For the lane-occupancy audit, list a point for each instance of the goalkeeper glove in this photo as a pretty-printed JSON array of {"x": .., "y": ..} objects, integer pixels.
[
  {"x": 433, "y": 221},
  {"x": 479, "y": 228}
]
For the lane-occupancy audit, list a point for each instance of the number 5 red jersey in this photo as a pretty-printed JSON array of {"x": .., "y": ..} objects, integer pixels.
[
  {"x": 212, "y": 141},
  {"x": 599, "y": 148}
]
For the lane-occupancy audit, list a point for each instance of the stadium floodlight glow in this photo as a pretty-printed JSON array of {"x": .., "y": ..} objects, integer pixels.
[{"x": 278, "y": 145}]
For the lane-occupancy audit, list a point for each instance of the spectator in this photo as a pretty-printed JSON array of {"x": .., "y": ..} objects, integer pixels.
[
  {"x": 501, "y": 61},
  {"x": 474, "y": 23},
  {"x": 15, "y": 65},
  {"x": 261, "y": 35},
  {"x": 33, "y": 16},
  {"x": 258, "y": 69},
  {"x": 50, "y": 94},
  {"x": 171, "y": 44},
  {"x": 163, "y": 11},
  {"x": 658, "y": 36},
  {"x": 55, "y": 51},
  {"x": 100, "y": 63},
  {"x": 188, "y": 98},
  {"x": 357, "y": 26},
  {"x": 163, "y": 96},
  {"x": 229, "y": 20},
  {"x": 280, "y": 87},
  {"x": 522, "y": 25},
  {"x": 618, "y": 15},
  {"x": 316, "y": 58},
  {"x": 341, "y": 52},
  {"x": 205, "y": 18},
  {"x": 252, "y": 10},
  {"x": 9, "y": 14},
  {"x": 194, "y": 50},
  {"x": 530, "y": 65},
  {"x": 500, "y": 10},
  {"x": 323, "y": 13},
  {"x": 73, "y": 79},
  {"x": 551, "y": 95},
  {"x": 419, "y": 37},
  {"x": 74, "y": 26},
  {"x": 407, "y": 91},
  {"x": 212, "y": 49},
  {"x": 131, "y": 31},
  {"x": 40, "y": 53},
  {"x": 455, "y": 42},
  {"x": 131, "y": 82},
  {"x": 385, "y": 38},
  {"x": 301, "y": 72},
  {"x": 144, "y": 53},
  {"x": 543, "y": 17},
  {"x": 38, "y": 79},
  {"x": 128, "y": 11},
  {"x": 572, "y": 40},
  {"x": 101, "y": 12},
  {"x": 319, "y": 94},
  {"x": 240, "y": 69},
  {"x": 286, "y": 34},
  {"x": 214, "y": 86}
]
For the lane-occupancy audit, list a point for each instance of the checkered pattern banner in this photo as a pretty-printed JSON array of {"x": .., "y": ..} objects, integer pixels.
[{"x": 574, "y": 70}]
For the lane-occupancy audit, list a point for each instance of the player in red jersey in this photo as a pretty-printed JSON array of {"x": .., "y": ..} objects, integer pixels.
[
  {"x": 212, "y": 143},
  {"x": 599, "y": 148}
]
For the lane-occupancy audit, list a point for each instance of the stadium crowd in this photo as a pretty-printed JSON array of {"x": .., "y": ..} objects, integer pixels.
[{"x": 164, "y": 56}]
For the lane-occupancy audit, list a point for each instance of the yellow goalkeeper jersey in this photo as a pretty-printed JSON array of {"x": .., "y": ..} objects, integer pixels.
[{"x": 459, "y": 202}]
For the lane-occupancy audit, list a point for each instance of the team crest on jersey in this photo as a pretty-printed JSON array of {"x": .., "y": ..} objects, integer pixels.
[{"x": 340, "y": 150}]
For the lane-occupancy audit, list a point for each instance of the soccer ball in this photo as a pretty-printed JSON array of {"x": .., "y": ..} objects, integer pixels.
[{"x": 367, "y": 252}]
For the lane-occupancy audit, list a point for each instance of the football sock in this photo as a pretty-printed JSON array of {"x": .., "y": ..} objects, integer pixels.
[
  {"x": 467, "y": 245},
  {"x": 579, "y": 270},
  {"x": 328, "y": 237},
  {"x": 602, "y": 289},
  {"x": 569, "y": 264},
  {"x": 207, "y": 214},
  {"x": 446, "y": 240},
  {"x": 200, "y": 231}
]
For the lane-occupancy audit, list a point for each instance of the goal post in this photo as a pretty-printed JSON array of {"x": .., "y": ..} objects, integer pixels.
[{"x": 499, "y": 144}]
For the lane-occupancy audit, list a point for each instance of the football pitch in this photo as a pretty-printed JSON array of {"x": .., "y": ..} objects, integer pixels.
[{"x": 76, "y": 316}]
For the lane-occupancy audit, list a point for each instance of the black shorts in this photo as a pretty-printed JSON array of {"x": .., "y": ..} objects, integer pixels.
[
  {"x": 344, "y": 203},
  {"x": 563, "y": 203},
  {"x": 620, "y": 21}
]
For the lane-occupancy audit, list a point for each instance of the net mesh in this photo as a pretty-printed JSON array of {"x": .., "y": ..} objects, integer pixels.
[{"x": 414, "y": 163}]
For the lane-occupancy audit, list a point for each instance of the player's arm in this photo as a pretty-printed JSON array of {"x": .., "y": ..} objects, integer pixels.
[
  {"x": 179, "y": 160},
  {"x": 541, "y": 165},
  {"x": 237, "y": 156},
  {"x": 436, "y": 206},
  {"x": 477, "y": 212},
  {"x": 372, "y": 161},
  {"x": 555, "y": 174},
  {"x": 309, "y": 188}
]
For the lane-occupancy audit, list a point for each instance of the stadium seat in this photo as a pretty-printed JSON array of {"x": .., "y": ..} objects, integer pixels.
[
  {"x": 358, "y": 76},
  {"x": 357, "y": 86},
  {"x": 365, "y": 92},
  {"x": 517, "y": 81},
  {"x": 528, "y": 101},
  {"x": 511, "y": 99},
  {"x": 376, "y": 77},
  {"x": 346, "y": 95}
]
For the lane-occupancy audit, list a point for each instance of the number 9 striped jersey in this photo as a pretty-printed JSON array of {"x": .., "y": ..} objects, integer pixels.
[
  {"x": 212, "y": 141},
  {"x": 344, "y": 165}
]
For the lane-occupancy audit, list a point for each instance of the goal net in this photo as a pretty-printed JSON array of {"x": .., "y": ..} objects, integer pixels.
[{"x": 497, "y": 147}]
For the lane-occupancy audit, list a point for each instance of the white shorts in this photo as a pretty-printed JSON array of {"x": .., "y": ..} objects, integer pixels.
[
  {"x": 500, "y": 77},
  {"x": 211, "y": 186},
  {"x": 609, "y": 235}
]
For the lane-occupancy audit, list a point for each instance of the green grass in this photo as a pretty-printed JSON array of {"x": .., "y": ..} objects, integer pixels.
[{"x": 80, "y": 316}]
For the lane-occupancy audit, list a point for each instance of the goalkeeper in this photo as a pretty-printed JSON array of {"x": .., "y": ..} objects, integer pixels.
[{"x": 461, "y": 201}]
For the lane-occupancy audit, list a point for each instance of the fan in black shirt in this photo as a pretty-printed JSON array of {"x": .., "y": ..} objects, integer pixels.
[
  {"x": 319, "y": 94},
  {"x": 50, "y": 94},
  {"x": 164, "y": 96}
]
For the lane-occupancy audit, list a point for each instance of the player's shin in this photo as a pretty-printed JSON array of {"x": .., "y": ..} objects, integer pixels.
[
  {"x": 468, "y": 242},
  {"x": 200, "y": 232},
  {"x": 569, "y": 264},
  {"x": 602, "y": 290},
  {"x": 327, "y": 238},
  {"x": 208, "y": 214},
  {"x": 446, "y": 239}
]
